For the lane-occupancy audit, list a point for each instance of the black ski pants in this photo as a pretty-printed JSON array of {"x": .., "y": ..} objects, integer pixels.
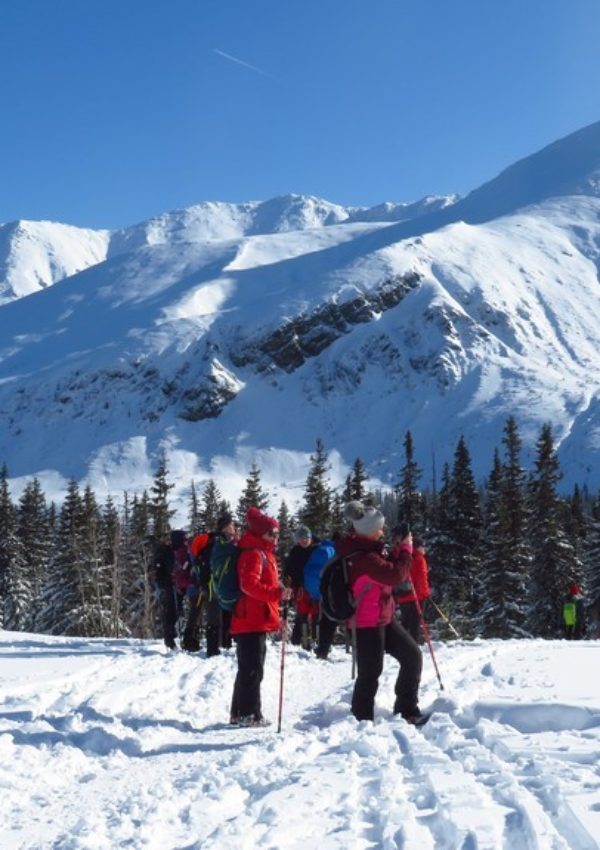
[
  {"x": 326, "y": 631},
  {"x": 251, "y": 649},
  {"x": 411, "y": 619},
  {"x": 171, "y": 603},
  {"x": 371, "y": 645}
]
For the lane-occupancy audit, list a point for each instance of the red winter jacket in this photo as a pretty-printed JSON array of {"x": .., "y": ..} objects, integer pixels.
[
  {"x": 372, "y": 576},
  {"x": 420, "y": 578},
  {"x": 257, "y": 610}
]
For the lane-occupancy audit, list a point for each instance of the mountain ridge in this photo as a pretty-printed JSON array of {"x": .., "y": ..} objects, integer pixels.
[{"x": 227, "y": 352}]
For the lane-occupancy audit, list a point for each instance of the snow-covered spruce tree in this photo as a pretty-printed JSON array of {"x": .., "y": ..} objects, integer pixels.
[
  {"x": 253, "y": 495},
  {"x": 210, "y": 507},
  {"x": 160, "y": 512},
  {"x": 315, "y": 511},
  {"x": 464, "y": 546},
  {"x": 96, "y": 574},
  {"x": 553, "y": 566},
  {"x": 139, "y": 549},
  {"x": 16, "y": 595},
  {"x": 501, "y": 582},
  {"x": 62, "y": 610},
  {"x": 337, "y": 522},
  {"x": 113, "y": 556},
  {"x": 194, "y": 522},
  {"x": 490, "y": 581},
  {"x": 517, "y": 554},
  {"x": 440, "y": 538},
  {"x": 592, "y": 569},
  {"x": 354, "y": 488},
  {"x": 410, "y": 503},
  {"x": 36, "y": 535},
  {"x": 285, "y": 532}
]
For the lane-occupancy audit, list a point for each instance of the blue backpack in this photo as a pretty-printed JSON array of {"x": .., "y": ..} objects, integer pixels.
[{"x": 314, "y": 567}]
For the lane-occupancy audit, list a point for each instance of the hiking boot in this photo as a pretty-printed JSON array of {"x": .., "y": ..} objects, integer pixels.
[
  {"x": 170, "y": 643},
  {"x": 250, "y": 720},
  {"x": 418, "y": 719}
]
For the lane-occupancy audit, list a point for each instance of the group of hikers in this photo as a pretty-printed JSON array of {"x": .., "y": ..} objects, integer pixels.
[{"x": 236, "y": 578}]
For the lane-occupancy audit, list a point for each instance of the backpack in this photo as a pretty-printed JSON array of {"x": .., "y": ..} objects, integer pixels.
[
  {"x": 225, "y": 582},
  {"x": 570, "y": 613},
  {"x": 337, "y": 601},
  {"x": 313, "y": 568}
]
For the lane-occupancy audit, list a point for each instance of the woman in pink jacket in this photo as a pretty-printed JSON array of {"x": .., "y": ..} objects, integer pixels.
[{"x": 372, "y": 576}]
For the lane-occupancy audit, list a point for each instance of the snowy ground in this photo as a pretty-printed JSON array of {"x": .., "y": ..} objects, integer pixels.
[{"x": 115, "y": 743}]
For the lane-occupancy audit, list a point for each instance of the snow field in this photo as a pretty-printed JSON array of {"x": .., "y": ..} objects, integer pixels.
[{"x": 117, "y": 743}]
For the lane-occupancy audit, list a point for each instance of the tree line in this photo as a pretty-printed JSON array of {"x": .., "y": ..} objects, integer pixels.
[{"x": 502, "y": 555}]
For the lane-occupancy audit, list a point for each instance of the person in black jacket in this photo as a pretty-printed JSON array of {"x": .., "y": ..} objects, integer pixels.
[
  {"x": 293, "y": 574},
  {"x": 170, "y": 599}
]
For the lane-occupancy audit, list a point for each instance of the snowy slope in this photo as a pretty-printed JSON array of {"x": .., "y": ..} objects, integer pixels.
[
  {"x": 35, "y": 254},
  {"x": 230, "y": 351},
  {"x": 114, "y": 743}
]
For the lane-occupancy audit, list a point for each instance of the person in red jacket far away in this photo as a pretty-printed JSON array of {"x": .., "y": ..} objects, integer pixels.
[
  {"x": 256, "y": 613},
  {"x": 419, "y": 576}
]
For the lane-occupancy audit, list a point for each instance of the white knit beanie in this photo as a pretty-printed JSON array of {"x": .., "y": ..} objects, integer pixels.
[{"x": 365, "y": 519}]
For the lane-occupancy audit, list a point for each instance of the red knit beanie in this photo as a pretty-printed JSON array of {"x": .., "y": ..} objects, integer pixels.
[{"x": 260, "y": 523}]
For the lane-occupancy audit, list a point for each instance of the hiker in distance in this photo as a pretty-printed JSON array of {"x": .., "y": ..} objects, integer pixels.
[
  {"x": 417, "y": 589},
  {"x": 255, "y": 614},
  {"x": 372, "y": 576}
]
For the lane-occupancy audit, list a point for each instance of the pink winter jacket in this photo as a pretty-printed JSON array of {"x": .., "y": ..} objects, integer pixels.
[{"x": 372, "y": 576}]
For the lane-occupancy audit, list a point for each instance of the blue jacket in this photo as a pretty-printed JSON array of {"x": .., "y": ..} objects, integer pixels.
[{"x": 314, "y": 567}]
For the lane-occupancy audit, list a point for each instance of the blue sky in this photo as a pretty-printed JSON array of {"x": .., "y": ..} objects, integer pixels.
[{"x": 117, "y": 110}]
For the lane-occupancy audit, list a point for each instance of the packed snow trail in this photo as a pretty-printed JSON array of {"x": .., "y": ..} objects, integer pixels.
[{"x": 116, "y": 743}]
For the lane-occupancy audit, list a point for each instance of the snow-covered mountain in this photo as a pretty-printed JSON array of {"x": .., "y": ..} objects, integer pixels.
[
  {"x": 34, "y": 255},
  {"x": 246, "y": 346}
]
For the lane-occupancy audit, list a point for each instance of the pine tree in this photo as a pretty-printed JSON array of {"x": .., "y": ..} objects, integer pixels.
[
  {"x": 505, "y": 560},
  {"x": 316, "y": 510},
  {"x": 64, "y": 594},
  {"x": 194, "y": 521},
  {"x": 286, "y": 537},
  {"x": 355, "y": 483},
  {"x": 338, "y": 522},
  {"x": 210, "y": 510},
  {"x": 159, "y": 505},
  {"x": 139, "y": 548},
  {"x": 253, "y": 495},
  {"x": 553, "y": 556},
  {"x": 35, "y": 533},
  {"x": 461, "y": 541},
  {"x": 410, "y": 508},
  {"x": 592, "y": 565},
  {"x": 112, "y": 557},
  {"x": 506, "y": 593},
  {"x": 16, "y": 596}
]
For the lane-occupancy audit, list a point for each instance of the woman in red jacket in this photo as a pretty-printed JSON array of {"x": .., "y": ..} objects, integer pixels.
[
  {"x": 256, "y": 613},
  {"x": 372, "y": 576},
  {"x": 419, "y": 577}
]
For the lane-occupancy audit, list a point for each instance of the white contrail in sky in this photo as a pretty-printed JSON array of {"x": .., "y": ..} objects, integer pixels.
[{"x": 240, "y": 62}]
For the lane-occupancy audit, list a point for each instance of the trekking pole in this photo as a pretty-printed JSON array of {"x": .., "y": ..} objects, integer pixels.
[
  {"x": 284, "y": 629},
  {"x": 427, "y": 638},
  {"x": 444, "y": 618}
]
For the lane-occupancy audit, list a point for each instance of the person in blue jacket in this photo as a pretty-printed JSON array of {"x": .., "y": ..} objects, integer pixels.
[{"x": 312, "y": 576}]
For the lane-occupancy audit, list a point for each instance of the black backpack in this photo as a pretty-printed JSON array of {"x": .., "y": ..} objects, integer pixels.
[{"x": 337, "y": 601}]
